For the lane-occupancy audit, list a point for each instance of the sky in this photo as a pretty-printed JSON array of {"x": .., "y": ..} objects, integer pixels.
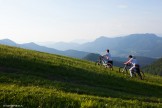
[{"x": 68, "y": 20}]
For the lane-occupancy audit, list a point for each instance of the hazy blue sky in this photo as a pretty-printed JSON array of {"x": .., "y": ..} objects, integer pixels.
[{"x": 67, "y": 20}]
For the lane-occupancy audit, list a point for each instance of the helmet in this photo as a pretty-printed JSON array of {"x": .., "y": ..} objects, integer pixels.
[{"x": 130, "y": 56}]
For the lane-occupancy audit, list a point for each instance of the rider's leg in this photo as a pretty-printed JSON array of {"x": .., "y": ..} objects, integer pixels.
[{"x": 131, "y": 70}]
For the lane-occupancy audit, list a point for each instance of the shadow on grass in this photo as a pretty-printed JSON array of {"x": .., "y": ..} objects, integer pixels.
[{"x": 76, "y": 80}]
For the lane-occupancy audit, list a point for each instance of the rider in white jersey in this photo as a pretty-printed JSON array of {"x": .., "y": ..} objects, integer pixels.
[{"x": 133, "y": 62}]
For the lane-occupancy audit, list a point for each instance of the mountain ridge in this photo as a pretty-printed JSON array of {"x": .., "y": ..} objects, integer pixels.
[
  {"x": 148, "y": 45},
  {"x": 34, "y": 46}
]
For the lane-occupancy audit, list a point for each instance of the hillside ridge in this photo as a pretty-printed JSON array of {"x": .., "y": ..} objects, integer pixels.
[{"x": 33, "y": 79}]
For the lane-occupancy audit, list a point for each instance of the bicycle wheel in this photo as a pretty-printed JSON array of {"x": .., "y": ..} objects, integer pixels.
[
  {"x": 139, "y": 72},
  {"x": 110, "y": 66},
  {"x": 142, "y": 74},
  {"x": 123, "y": 70},
  {"x": 97, "y": 63}
]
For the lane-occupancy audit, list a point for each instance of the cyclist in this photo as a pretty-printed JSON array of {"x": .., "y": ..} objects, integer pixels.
[
  {"x": 135, "y": 66},
  {"x": 108, "y": 57}
]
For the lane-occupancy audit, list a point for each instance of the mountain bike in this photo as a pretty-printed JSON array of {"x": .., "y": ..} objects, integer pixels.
[
  {"x": 124, "y": 69},
  {"x": 102, "y": 62},
  {"x": 136, "y": 71}
]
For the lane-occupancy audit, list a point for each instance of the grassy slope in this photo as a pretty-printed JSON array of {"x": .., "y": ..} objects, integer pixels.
[
  {"x": 35, "y": 79},
  {"x": 155, "y": 68}
]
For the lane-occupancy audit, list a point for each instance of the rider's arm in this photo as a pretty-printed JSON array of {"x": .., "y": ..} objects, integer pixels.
[{"x": 128, "y": 62}]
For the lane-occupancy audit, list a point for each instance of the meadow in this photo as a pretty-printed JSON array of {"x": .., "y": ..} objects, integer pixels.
[{"x": 32, "y": 79}]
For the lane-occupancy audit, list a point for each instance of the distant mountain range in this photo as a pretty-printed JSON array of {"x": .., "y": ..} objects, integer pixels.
[
  {"x": 33, "y": 46},
  {"x": 144, "y": 46},
  {"x": 60, "y": 45},
  {"x": 148, "y": 45}
]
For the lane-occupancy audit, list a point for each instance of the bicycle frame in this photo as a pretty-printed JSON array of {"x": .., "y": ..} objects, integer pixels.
[
  {"x": 103, "y": 62},
  {"x": 134, "y": 72},
  {"x": 125, "y": 68}
]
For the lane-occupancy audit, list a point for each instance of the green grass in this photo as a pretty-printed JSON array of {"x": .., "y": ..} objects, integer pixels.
[{"x": 35, "y": 79}]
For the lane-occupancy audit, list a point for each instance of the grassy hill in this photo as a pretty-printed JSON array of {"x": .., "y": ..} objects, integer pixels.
[
  {"x": 155, "y": 67},
  {"x": 33, "y": 79}
]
